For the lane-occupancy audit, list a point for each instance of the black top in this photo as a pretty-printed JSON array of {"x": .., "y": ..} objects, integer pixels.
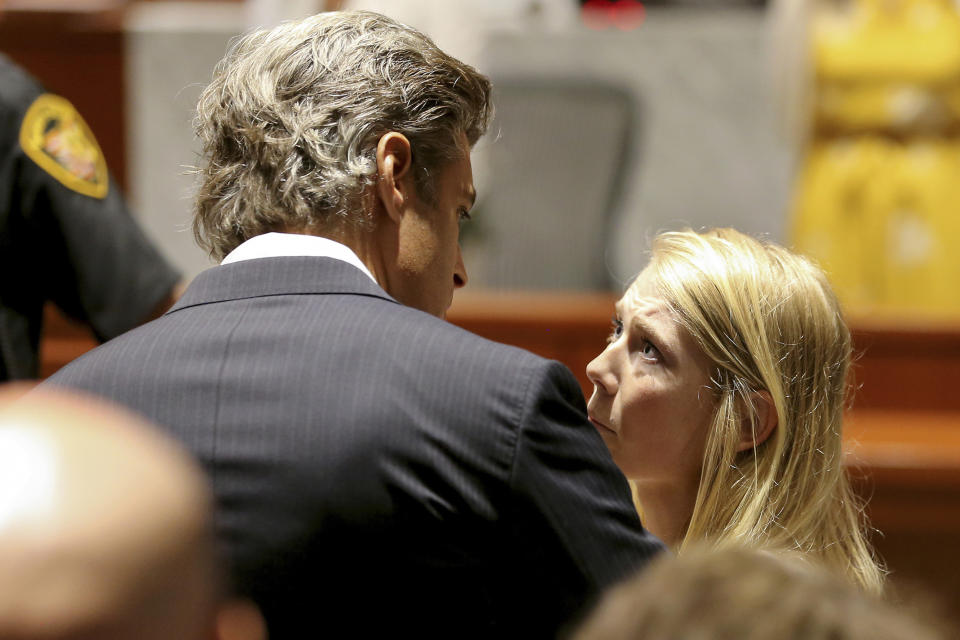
[{"x": 65, "y": 232}]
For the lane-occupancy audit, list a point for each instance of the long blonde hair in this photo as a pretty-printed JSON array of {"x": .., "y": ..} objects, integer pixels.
[{"x": 769, "y": 321}]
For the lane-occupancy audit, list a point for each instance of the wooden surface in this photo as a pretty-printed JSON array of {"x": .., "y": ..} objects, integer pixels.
[
  {"x": 907, "y": 464},
  {"x": 905, "y": 363},
  {"x": 570, "y": 328},
  {"x": 913, "y": 449}
]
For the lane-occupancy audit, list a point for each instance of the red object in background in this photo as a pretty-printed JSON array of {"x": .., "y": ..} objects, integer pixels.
[{"x": 625, "y": 15}]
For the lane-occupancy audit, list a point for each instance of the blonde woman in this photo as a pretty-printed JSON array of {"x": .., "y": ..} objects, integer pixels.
[{"x": 721, "y": 396}]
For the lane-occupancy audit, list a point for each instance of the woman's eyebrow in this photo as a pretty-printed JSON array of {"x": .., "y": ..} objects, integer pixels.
[{"x": 640, "y": 324}]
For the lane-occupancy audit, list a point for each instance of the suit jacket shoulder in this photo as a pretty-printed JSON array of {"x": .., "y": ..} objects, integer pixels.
[{"x": 362, "y": 451}]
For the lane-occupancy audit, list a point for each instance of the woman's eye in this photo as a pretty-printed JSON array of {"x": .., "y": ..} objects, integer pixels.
[
  {"x": 649, "y": 351},
  {"x": 617, "y": 330}
]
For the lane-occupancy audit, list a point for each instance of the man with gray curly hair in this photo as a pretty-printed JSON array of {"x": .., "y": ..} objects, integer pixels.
[
  {"x": 317, "y": 142},
  {"x": 377, "y": 470}
]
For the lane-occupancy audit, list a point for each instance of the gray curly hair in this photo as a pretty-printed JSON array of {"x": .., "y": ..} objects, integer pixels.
[{"x": 290, "y": 123}]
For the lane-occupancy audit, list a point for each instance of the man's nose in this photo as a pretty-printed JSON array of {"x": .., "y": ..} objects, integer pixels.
[{"x": 459, "y": 271}]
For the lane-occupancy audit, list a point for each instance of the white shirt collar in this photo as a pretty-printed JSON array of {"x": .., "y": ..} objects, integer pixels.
[{"x": 276, "y": 245}]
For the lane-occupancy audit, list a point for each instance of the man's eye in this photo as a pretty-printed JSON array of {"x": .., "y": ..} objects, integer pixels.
[
  {"x": 617, "y": 330},
  {"x": 463, "y": 215}
]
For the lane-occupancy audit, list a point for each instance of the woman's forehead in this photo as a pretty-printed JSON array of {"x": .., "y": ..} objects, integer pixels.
[
  {"x": 642, "y": 293},
  {"x": 644, "y": 307}
]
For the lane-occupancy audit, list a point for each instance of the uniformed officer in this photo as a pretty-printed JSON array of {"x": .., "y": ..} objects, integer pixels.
[{"x": 65, "y": 233}]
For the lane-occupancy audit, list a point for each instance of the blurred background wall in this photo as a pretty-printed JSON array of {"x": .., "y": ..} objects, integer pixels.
[
  {"x": 170, "y": 50},
  {"x": 616, "y": 119},
  {"x": 604, "y": 134},
  {"x": 694, "y": 145}
]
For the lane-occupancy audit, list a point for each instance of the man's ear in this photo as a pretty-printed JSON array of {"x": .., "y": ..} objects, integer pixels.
[
  {"x": 766, "y": 413},
  {"x": 394, "y": 158}
]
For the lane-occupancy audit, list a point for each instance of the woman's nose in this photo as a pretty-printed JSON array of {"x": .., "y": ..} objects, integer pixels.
[{"x": 599, "y": 373}]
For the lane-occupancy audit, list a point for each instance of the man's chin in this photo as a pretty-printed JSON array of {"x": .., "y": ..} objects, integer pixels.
[{"x": 443, "y": 313}]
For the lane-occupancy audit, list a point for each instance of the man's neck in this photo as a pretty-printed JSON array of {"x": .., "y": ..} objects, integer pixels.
[{"x": 371, "y": 246}]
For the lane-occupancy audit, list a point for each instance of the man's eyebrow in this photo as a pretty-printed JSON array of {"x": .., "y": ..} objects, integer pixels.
[{"x": 471, "y": 194}]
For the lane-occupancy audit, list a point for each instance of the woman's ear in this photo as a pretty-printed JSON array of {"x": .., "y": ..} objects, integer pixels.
[
  {"x": 755, "y": 434},
  {"x": 394, "y": 157}
]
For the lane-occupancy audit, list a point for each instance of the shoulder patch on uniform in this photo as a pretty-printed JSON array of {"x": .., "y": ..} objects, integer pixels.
[{"x": 55, "y": 137}]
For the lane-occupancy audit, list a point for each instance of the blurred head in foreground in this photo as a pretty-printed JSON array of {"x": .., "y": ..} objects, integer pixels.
[
  {"x": 105, "y": 526},
  {"x": 740, "y": 594},
  {"x": 721, "y": 396}
]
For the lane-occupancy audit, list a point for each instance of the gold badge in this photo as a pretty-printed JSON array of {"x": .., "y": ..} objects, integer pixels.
[{"x": 55, "y": 137}]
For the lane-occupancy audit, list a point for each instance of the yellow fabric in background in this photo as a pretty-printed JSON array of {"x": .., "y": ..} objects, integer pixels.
[
  {"x": 913, "y": 41},
  {"x": 898, "y": 107},
  {"x": 877, "y": 199},
  {"x": 887, "y": 64},
  {"x": 883, "y": 218}
]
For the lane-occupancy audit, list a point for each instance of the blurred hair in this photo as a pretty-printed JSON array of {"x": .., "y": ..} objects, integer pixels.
[
  {"x": 740, "y": 594},
  {"x": 769, "y": 321},
  {"x": 82, "y": 555},
  {"x": 290, "y": 123}
]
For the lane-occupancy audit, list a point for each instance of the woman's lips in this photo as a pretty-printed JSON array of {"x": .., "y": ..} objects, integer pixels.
[{"x": 599, "y": 425}]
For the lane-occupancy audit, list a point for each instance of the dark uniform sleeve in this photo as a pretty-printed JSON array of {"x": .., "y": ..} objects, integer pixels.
[
  {"x": 65, "y": 233},
  {"x": 576, "y": 503},
  {"x": 99, "y": 268}
]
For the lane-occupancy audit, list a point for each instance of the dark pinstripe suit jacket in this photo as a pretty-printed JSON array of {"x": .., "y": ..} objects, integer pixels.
[{"x": 377, "y": 470}]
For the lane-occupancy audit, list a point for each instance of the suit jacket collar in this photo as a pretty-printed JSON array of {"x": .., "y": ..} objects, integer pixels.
[{"x": 278, "y": 276}]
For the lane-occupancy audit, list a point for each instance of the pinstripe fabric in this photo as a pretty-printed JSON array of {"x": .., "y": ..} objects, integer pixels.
[{"x": 377, "y": 470}]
